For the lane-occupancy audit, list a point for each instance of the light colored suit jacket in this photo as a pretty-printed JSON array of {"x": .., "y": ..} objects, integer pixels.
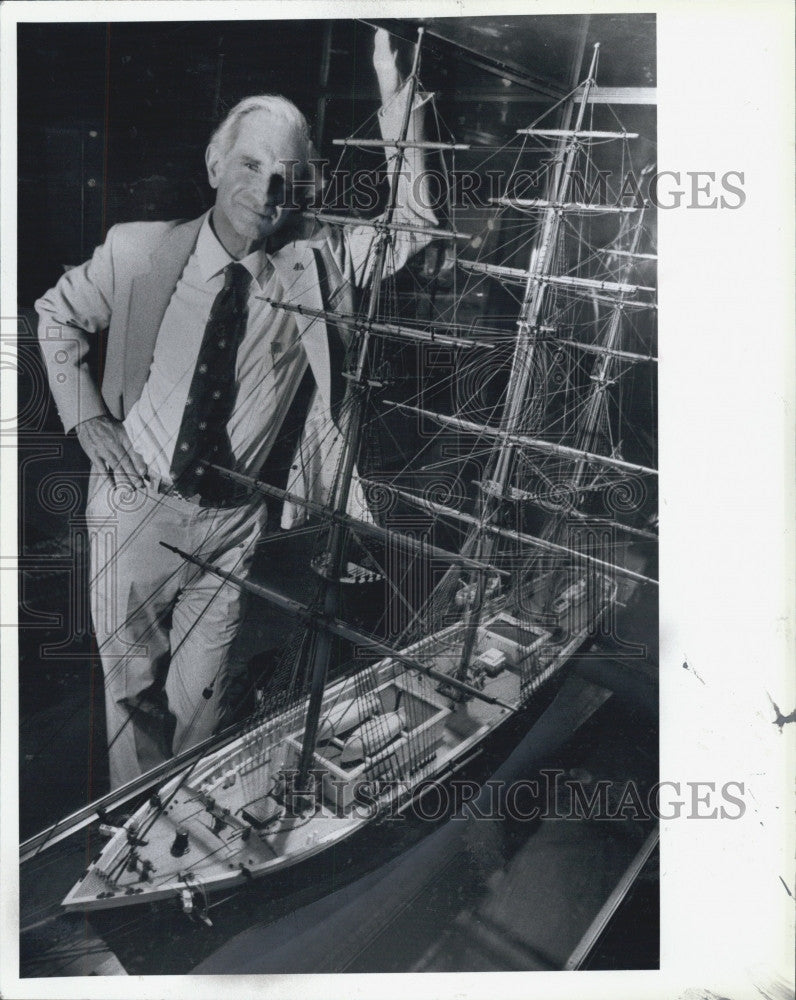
[{"x": 126, "y": 287}]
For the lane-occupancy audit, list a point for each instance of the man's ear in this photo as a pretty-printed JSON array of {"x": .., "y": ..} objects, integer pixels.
[{"x": 213, "y": 163}]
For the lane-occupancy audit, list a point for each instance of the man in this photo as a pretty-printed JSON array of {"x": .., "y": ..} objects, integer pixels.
[{"x": 199, "y": 368}]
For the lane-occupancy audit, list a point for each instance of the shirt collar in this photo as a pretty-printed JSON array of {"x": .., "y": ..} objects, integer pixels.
[{"x": 213, "y": 258}]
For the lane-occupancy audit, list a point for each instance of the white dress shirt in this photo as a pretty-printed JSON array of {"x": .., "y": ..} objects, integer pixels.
[{"x": 270, "y": 362}]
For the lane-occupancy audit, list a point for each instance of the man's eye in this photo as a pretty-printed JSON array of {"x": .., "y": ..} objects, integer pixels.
[{"x": 250, "y": 165}]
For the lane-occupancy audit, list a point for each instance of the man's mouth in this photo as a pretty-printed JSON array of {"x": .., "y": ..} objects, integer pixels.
[{"x": 264, "y": 214}]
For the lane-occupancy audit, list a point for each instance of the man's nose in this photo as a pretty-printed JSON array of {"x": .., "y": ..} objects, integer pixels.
[
  {"x": 276, "y": 189},
  {"x": 270, "y": 188}
]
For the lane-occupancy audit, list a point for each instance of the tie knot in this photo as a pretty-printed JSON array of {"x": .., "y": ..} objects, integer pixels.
[{"x": 236, "y": 276}]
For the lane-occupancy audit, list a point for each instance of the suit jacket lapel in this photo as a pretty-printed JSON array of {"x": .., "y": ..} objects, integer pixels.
[
  {"x": 149, "y": 296},
  {"x": 151, "y": 292}
]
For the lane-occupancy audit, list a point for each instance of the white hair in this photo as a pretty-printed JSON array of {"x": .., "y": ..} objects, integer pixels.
[{"x": 273, "y": 104}]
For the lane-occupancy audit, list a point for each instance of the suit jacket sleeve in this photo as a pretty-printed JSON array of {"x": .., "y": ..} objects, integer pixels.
[
  {"x": 76, "y": 309},
  {"x": 413, "y": 201}
]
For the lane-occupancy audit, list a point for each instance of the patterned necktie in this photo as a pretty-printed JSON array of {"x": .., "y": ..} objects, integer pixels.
[{"x": 203, "y": 432}]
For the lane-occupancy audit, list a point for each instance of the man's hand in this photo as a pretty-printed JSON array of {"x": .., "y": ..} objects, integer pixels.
[
  {"x": 385, "y": 62},
  {"x": 106, "y": 443}
]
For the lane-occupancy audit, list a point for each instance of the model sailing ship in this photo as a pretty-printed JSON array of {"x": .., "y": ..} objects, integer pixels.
[{"x": 538, "y": 563}]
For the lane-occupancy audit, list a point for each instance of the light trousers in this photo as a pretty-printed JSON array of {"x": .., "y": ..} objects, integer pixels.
[{"x": 163, "y": 625}]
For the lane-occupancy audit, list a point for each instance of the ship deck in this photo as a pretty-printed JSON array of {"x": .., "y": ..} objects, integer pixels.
[{"x": 540, "y": 895}]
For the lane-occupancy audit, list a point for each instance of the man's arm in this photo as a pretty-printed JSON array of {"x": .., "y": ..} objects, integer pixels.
[
  {"x": 77, "y": 308},
  {"x": 413, "y": 201}
]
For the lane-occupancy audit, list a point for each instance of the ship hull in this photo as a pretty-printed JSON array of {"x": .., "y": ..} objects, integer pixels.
[{"x": 230, "y": 839}]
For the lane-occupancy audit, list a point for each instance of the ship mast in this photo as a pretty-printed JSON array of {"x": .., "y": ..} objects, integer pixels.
[
  {"x": 601, "y": 376},
  {"x": 353, "y": 409},
  {"x": 601, "y": 379},
  {"x": 541, "y": 260}
]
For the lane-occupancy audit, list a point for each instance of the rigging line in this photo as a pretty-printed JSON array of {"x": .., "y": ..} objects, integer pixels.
[
  {"x": 504, "y": 453},
  {"x": 522, "y": 241},
  {"x": 225, "y": 844},
  {"x": 179, "y": 645},
  {"x": 309, "y": 450},
  {"x": 596, "y": 252},
  {"x": 569, "y": 221},
  {"x": 523, "y": 439},
  {"x": 372, "y": 119},
  {"x": 563, "y": 100},
  {"x": 441, "y": 433},
  {"x": 333, "y": 184},
  {"x": 81, "y": 818},
  {"x": 506, "y": 146},
  {"x": 440, "y": 120},
  {"x": 347, "y": 283},
  {"x": 384, "y": 428},
  {"x": 431, "y": 440},
  {"x": 397, "y": 586},
  {"x": 157, "y": 500},
  {"x": 415, "y": 616},
  {"x": 522, "y": 234},
  {"x": 526, "y": 232},
  {"x": 57, "y": 727},
  {"x": 350, "y": 187},
  {"x": 202, "y": 705},
  {"x": 533, "y": 540},
  {"x": 337, "y": 627},
  {"x": 450, "y": 210},
  {"x": 418, "y": 287},
  {"x": 474, "y": 402},
  {"x": 126, "y": 850},
  {"x": 150, "y": 597},
  {"x": 311, "y": 529},
  {"x": 120, "y": 932},
  {"x": 455, "y": 380},
  {"x": 394, "y": 587},
  {"x": 355, "y": 524},
  {"x": 442, "y": 462}
]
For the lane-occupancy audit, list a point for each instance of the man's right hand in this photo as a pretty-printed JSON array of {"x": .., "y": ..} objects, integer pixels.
[{"x": 110, "y": 450}]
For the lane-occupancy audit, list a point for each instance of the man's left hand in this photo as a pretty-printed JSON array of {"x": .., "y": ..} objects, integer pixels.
[{"x": 385, "y": 62}]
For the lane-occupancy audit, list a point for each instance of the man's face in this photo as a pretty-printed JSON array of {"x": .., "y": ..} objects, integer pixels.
[{"x": 250, "y": 181}]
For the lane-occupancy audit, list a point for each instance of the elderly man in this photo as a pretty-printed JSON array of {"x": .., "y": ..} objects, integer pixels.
[{"x": 199, "y": 368}]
